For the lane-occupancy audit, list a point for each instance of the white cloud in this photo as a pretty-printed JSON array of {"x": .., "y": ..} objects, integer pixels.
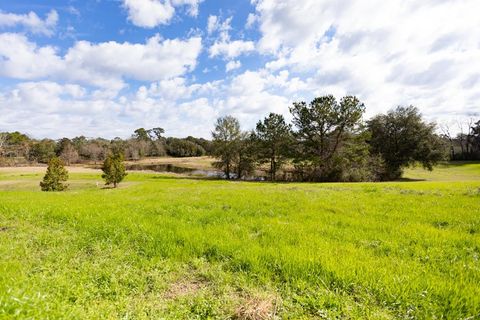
[
  {"x": 223, "y": 45},
  {"x": 215, "y": 24},
  {"x": 49, "y": 109},
  {"x": 152, "y": 13},
  {"x": 212, "y": 24},
  {"x": 22, "y": 59},
  {"x": 192, "y": 5},
  {"x": 155, "y": 60},
  {"x": 31, "y": 22},
  {"x": 386, "y": 52},
  {"x": 232, "y": 65},
  {"x": 103, "y": 65},
  {"x": 251, "y": 20},
  {"x": 231, "y": 49}
]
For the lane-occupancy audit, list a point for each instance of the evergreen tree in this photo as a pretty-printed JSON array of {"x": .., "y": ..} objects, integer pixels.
[
  {"x": 113, "y": 169},
  {"x": 55, "y": 177},
  {"x": 274, "y": 138}
]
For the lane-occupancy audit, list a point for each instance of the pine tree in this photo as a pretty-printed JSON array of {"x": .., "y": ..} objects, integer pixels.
[
  {"x": 113, "y": 169},
  {"x": 55, "y": 177}
]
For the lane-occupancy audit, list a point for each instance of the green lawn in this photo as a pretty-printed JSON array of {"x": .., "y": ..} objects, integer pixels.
[{"x": 177, "y": 248}]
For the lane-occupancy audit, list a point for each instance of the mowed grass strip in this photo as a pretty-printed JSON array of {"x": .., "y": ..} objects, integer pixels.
[{"x": 170, "y": 247}]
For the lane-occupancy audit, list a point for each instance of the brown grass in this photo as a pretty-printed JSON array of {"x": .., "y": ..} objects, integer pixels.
[
  {"x": 257, "y": 308},
  {"x": 184, "y": 287}
]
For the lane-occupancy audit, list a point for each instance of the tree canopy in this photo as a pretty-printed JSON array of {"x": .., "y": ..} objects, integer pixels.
[{"x": 402, "y": 138}]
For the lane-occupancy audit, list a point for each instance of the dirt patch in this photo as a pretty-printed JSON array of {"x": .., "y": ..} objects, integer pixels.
[
  {"x": 185, "y": 287},
  {"x": 258, "y": 308},
  {"x": 3, "y": 229}
]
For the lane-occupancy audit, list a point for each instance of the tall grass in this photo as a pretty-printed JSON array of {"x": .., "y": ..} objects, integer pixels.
[{"x": 183, "y": 248}]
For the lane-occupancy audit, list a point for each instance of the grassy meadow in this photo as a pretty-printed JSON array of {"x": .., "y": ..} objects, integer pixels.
[{"x": 172, "y": 247}]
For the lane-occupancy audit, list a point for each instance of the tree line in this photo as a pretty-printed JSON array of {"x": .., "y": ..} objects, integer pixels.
[
  {"x": 17, "y": 148},
  {"x": 327, "y": 140}
]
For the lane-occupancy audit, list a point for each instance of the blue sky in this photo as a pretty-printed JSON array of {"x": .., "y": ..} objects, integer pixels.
[{"x": 106, "y": 67}]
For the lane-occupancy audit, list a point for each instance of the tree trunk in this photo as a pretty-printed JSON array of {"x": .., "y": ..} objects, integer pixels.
[
  {"x": 115, "y": 184},
  {"x": 227, "y": 171}
]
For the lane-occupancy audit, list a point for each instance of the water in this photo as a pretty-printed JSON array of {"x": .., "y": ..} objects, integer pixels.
[
  {"x": 175, "y": 169},
  {"x": 171, "y": 168}
]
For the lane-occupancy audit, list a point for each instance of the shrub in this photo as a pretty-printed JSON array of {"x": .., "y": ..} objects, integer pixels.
[
  {"x": 113, "y": 169},
  {"x": 55, "y": 177}
]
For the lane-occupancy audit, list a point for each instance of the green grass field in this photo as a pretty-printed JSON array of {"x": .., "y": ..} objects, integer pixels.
[{"x": 178, "y": 248}]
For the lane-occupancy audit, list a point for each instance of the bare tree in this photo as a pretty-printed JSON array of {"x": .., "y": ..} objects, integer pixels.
[
  {"x": 69, "y": 155},
  {"x": 447, "y": 135},
  {"x": 3, "y": 141}
]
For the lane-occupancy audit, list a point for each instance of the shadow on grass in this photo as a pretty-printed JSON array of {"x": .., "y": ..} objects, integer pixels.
[
  {"x": 457, "y": 163},
  {"x": 408, "y": 180}
]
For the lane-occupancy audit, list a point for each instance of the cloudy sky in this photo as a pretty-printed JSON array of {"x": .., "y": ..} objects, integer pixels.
[{"x": 106, "y": 67}]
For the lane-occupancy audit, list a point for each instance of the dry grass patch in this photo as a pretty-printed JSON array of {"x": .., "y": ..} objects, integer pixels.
[
  {"x": 258, "y": 308},
  {"x": 185, "y": 287}
]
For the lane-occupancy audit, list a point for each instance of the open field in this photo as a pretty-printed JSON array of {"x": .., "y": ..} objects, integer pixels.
[{"x": 171, "y": 247}]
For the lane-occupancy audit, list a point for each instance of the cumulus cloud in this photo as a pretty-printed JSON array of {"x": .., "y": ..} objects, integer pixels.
[
  {"x": 47, "y": 108},
  {"x": 152, "y": 13},
  {"x": 103, "y": 65},
  {"x": 22, "y": 59},
  {"x": 223, "y": 45},
  {"x": 387, "y": 53},
  {"x": 231, "y": 49},
  {"x": 232, "y": 65},
  {"x": 155, "y": 60},
  {"x": 30, "y": 21},
  {"x": 180, "y": 106},
  {"x": 251, "y": 20}
]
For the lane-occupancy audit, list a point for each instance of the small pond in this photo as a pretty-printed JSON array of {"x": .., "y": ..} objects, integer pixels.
[{"x": 167, "y": 167}]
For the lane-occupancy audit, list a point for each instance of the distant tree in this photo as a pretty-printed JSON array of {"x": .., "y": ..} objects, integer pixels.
[
  {"x": 141, "y": 134},
  {"x": 135, "y": 149},
  {"x": 42, "y": 151},
  {"x": 183, "y": 148},
  {"x": 79, "y": 143},
  {"x": 155, "y": 133},
  {"x": 274, "y": 138},
  {"x": 158, "y": 148},
  {"x": 113, "y": 169},
  {"x": 69, "y": 154},
  {"x": 95, "y": 150},
  {"x": 3, "y": 142},
  {"x": 207, "y": 145},
  {"x": 244, "y": 155},
  {"x": 226, "y": 137},
  {"x": 66, "y": 151},
  {"x": 402, "y": 138},
  {"x": 17, "y": 144},
  {"x": 323, "y": 127},
  {"x": 475, "y": 129},
  {"x": 16, "y": 138},
  {"x": 118, "y": 146},
  {"x": 56, "y": 176}
]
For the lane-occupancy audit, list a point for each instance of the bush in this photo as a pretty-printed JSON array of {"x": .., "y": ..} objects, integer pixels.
[
  {"x": 55, "y": 177},
  {"x": 113, "y": 169}
]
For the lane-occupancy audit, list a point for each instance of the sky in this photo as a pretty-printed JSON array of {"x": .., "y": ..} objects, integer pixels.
[{"x": 106, "y": 67}]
